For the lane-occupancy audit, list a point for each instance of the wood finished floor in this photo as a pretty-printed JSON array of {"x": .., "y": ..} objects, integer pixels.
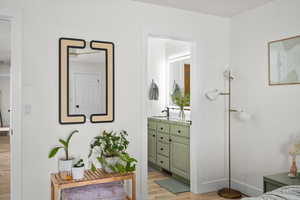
[
  {"x": 155, "y": 191},
  {"x": 158, "y": 193},
  {"x": 4, "y": 168}
]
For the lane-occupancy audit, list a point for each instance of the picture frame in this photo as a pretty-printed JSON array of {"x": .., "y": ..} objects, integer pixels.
[{"x": 284, "y": 61}]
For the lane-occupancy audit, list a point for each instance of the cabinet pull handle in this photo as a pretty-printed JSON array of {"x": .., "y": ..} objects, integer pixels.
[
  {"x": 161, "y": 149},
  {"x": 161, "y": 161},
  {"x": 161, "y": 137},
  {"x": 153, "y": 135},
  {"x": 179, "y": 131},
  {"x": 170, "y": 140},
  {"x": 161, "y": 128}
]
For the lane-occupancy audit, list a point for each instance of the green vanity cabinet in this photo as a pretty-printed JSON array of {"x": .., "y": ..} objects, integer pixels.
[{"x": 172, "y": 145}]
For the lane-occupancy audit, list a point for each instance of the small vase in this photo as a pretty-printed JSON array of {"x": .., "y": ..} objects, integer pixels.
[
  {"x": 65, "y": 168},
  {"x": 78, "y": 173},
  {"x": 181, "y": 114},
  {"x": 111, "y": 161},
  {"x": 293, "y": 169}
]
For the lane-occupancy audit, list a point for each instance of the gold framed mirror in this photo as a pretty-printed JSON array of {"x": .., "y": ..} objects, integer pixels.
[{"x": 86, "y": 81}]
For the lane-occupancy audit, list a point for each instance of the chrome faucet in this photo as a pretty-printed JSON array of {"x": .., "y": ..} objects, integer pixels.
[{"x": 167, "y": 110}]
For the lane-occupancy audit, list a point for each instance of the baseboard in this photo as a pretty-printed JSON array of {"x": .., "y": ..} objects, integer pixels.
[
  {"x": 246, "y": 189},
  {"x": 211, "y": 186}
]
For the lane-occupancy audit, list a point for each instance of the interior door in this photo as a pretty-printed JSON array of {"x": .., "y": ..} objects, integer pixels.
[{"x": 86, "y": 94}]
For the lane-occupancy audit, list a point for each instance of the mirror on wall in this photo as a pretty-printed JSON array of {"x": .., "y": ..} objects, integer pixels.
[
  {"x": 179, "y": 76},
  {"x": 86, "y": 81},
  {"x": 87, "y": 84}
]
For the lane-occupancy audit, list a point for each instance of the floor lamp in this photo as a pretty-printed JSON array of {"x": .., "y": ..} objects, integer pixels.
[{"x": 228, "y": 193}]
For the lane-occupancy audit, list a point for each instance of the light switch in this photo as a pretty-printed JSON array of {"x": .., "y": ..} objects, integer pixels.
[{"x": 27, "y": 109}]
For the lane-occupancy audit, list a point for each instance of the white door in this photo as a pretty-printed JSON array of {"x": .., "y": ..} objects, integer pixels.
[{"x": 87, "y": 94}]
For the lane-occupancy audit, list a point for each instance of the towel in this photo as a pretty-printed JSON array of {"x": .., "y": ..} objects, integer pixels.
[
  {"x": 154, "y": 91},
  {"x": 176, "y": 89}
]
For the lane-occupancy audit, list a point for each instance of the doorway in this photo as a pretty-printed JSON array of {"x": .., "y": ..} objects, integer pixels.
[
  {"x": 169, "y": 63},
  {"x": 5, "y": 107}
]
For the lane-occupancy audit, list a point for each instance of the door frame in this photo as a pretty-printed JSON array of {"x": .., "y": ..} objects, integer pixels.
[
  {"x": 15, "y": 102},
  {"x": 144, "y": 91}
]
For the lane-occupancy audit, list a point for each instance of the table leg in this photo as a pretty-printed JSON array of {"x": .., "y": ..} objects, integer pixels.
[
  {"x": 133, "y": 187},
  {"x": 52, "y": 191}
]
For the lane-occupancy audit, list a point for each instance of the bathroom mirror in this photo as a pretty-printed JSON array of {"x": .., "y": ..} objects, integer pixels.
[
  {"x": 86, "y": 81},
  {"x": 179, "y": 76}
]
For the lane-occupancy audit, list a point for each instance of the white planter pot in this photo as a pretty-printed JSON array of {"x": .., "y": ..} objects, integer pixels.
[
  {"x": 65, "y": 165},
  {"x": 78, "y": 173},
  {"x": 110, "y": 161}
]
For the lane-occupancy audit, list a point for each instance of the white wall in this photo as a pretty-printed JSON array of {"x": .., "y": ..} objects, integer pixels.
[
  {"x": 260, "y": 146},
  {"x": 156, "y": 71},
  {"x": 125, "y": 23}
]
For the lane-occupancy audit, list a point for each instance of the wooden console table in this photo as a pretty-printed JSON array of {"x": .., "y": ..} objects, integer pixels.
[{"x": 90, "y": 178}]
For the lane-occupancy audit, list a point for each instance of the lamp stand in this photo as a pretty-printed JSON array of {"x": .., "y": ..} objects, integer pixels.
[{"x": 229, "y": 193}]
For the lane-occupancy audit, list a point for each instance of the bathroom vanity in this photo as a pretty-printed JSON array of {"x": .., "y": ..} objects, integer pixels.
[{"x": 169, "y": 145}]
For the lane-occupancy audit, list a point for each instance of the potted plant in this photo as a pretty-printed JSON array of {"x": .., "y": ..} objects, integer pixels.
[
  {"x": 181, "y": 100},
  {"x": 109, "y": 149},
  {"x": 64, "y": 164},
  {"x": 78, "y": 170}
]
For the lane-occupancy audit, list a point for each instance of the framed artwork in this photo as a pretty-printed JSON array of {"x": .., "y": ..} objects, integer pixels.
[{"x": 284, "y": 61}]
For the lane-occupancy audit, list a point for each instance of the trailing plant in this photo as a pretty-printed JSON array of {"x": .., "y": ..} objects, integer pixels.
[
  {"x": 79, "y": 164},
  {"x": 64, "y": 146},
  {"x": 112, "y": 145}
]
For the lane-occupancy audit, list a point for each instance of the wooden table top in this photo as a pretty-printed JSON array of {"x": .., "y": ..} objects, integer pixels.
[{"x": 90, "y": 177}]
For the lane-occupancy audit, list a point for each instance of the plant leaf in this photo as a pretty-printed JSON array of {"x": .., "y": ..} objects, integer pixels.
[
  {"x": 70, "y": 136},
  {"x": 93, "y": 167},
  {"x": 63, "y": 143},
  {"x": 54, "y": 151}
]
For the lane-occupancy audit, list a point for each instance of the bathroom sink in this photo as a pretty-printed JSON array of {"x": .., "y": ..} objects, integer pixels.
[{"x": 159, "y": 116}]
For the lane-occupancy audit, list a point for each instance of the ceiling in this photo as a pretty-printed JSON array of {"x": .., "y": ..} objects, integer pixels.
[{"x": 223, "y": 8}]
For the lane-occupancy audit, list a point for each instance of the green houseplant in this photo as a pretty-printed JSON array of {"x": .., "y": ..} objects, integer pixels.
[
  {"x": 64, "y": 164},
  {"x": 109, "y": 149},
  {"x": 181, "y": 100}
]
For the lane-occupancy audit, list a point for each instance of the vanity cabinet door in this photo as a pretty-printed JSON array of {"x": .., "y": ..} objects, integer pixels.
[
  {"x": 180, "y": 156},
  {"x": 151, "y": 146}
]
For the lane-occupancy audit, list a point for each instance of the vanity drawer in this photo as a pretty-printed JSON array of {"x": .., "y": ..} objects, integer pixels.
[
  {"x": 182, "y": 131},
  {"x": 163, "y": 149},
  {"x": 163, "y": 162},
  {"x": 161, "y": 127},
  {"x": 152, "y": 125},
  {"x": 162, "y": 137}
]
